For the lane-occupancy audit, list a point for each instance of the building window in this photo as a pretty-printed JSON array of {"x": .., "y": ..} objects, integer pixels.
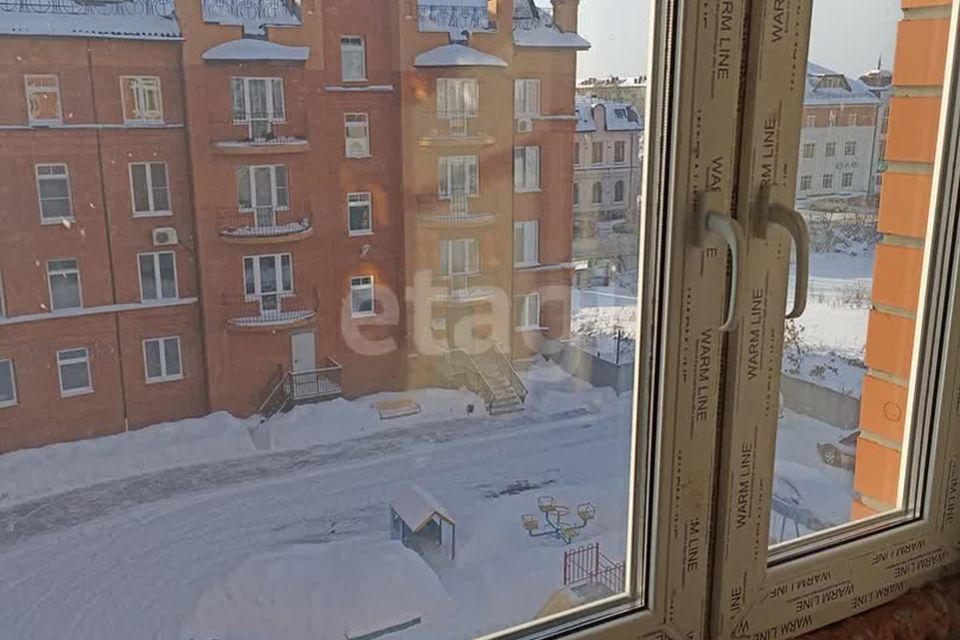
[
  {"x": 359, "y": 215},
  {"x": 620, "y": 151},
  {"x": 63, "y": 277},
  {"x": 158, "y": 276},
  {"x": 832, "y": 118},
  {"x": 3, "y": 300},
  {"x": 526, "y": 311},
  {"x": 830, "y": 149},
  {"x": 809, "y": 149},
  {"x": 361, "y": 296},
  {"x": 526, "y": 98},
  {"x": 356, "y": 131},
  {"x": 8, "y": 384},
  {"x": 596, "y": 196},
  {"x": 458, "y": 176},
  {"x": 811, "y": 120},
  {"x": 852, "y": 120},
  {"x": 43, "y": 99},
  {"x": 459, "y": 257},
  {"x": 618, "y": 191},
  {"x": 850, "y": 148},
  {"x": 576, "y": 153},
  {"x": 596, "y": 153},
  {"x": 526, "y": 168},
  {"x": 150, "y": 188},
  {"x": 846, "y": 180},
  {"x": 267, "y": 278},
  {"x": 161, "y": 359},
  {"x": 806, "y": 182},
  {"x": 353, "y": 58},
  {"x": 259, "y": 104},
  {"x": 263, "y": 190},
  {"x": 458, "y": 97},
  {"x": 576, "y": 194},
  {"x": 142, "y": 101},
  {"x": 827, "y": 181},
  {"x": 74, "y": 369},
  {"x": 53, "y": 186},
  {"x": 526, "y": 241}
]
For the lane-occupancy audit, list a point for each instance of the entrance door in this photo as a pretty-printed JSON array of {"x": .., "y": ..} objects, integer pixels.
[{"x": 303, "y": 352}]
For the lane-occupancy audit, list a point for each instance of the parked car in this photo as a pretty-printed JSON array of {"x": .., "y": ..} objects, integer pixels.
[{"x": 841, "y": 452}]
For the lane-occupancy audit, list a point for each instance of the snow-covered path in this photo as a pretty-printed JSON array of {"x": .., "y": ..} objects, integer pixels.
[{"x": 137, "y": 571}]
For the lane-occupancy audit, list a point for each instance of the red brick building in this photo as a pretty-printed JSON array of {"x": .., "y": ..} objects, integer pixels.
[{"x": 209, "y": 209}]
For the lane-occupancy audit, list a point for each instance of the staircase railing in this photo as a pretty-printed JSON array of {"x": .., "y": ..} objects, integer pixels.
[
  {"x": 277, "y": 394},
  {"x": 506, "y": 367},
  {"x": 459, "y": 361},
  {"x": 288, "y": 387}
]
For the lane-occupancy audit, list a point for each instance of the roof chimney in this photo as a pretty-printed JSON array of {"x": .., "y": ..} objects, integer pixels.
[{"x": 565, "y": 13}]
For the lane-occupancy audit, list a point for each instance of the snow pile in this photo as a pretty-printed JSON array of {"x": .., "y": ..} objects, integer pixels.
[
  {"x": 334, "y": 590},
  {"x": 59, "y": 467},
  {"x": 254, "y": 49},
  {"x": 457, "y": 55},
  {"x": 550, "y": 389}
]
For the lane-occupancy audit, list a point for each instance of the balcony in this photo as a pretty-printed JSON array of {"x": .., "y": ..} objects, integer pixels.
[
  {"x": 266, "y": 135},
  {"x": 264, "y": 225},
  {"x": 457, "y": 129},
  {"x": 268, "y": 312},
  {"x": 455, "y": 17},
  {"x": 465, "y": 289},
  {"x": 253, "y": 16},
  {"x": 450, "y": 212}
]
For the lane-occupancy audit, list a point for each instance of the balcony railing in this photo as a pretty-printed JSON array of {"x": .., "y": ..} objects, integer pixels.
[
  {"x": 288, "y": 388},
  {"x": 456, "y": 128},
  {"x": 264, "y": 224},
  {"x": 436, "y": 15},
  {"x": 455, "y": 209},
  {"x": 465, "y": 288},
  {"x": 266, "y": 11},
  {"x": 258, "y": 133},
  {"x": 126, "y": 8},
  {"x": 268, "y": 311}
]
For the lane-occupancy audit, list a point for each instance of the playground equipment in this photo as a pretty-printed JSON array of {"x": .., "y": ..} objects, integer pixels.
[{"x": 554, "y": 515}]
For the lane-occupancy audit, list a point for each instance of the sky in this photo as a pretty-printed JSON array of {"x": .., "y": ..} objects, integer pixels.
[{"x": 848, "y": 35}]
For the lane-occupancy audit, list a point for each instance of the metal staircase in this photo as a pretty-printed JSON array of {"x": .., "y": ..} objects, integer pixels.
[
  {"x": 490, "y": 375},
  {"x": 286, "y": 389}
]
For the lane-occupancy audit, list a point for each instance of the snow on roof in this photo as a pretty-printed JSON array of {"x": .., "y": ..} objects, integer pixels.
[
  {"x": 253, "y": 15},
  {"x": 457, "y": 55},
  {"x": 454, "y": 16},
  {"x": 618, "y": 116},
  {"x": 75, "y": 19},
  {"x": 826, "y": 86},
  {"x": 254, "y": 49},
  {"x": 417, "y": 507},
  {"x": 533, "y": 27}
]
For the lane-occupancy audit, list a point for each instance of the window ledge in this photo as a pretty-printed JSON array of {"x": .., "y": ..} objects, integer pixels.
[
  {"x": 162, "y": 380},
  {"x": 153, "y": 214},
  {"x": 92, "y": 311},
  {"x": 54, "y": 222},
  {"x": 76, "y": 392},
  {"x": 355, "y": 316},
  {"x": 8, "y": 405},
  {"x": 533, "y": 328},
  {"x": 535, "y": 190},
  {"x": 360, "y": 234}
]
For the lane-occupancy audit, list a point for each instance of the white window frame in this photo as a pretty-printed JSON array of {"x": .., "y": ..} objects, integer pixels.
[
  {"x": 469, "y": 247},
  {"x": 13, "y": 384},
  {"x": 53, "y": 87},
  {"x": 356, "y": 146},
  {"x": 250, "y": 171},
  {"x": 529, "y": 232},
  {"x": 447, "y": 166},
  {"x": 79, "y": 391},
  {"x": 164, "y": 376},
  {"x": 64, "y": 176},
  {"x": 348, "y": 44},
  {"x": 3, "y": 299},
  {"x": 358, "y": 284},
  {"x": 523, "y": 303},
  {"x": 809, "y": 149},
  {"x": 158, "y": 280},
  {"x": 258, "y": 292},
  {"x": 153, "y": 211},
  {"x": 846, "y": 180},
  {"x": 526, "y": 169},
  {"x": 830, "y": 150},
  {"x": 852, "y": 120},
  {"x": 526, "y": 98},
  {"x": 61, "y": 271},
  {"x": 143, "y": 86},
  {"x": 360, "y": 199},
  {"x": 806, "y": 182},
  {"x": 454, "y": 97},
  {"x": 275, "y": 98}
]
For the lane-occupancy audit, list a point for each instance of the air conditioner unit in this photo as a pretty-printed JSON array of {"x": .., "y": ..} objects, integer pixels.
[
  {"x": 525, "y": 125},
  {"x": 164, "y": 236}
]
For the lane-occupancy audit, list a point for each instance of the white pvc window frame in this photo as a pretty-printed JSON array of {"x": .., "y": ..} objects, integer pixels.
[
  {"x": 146, "y": 99},
  {"x": 526, "y": 168},
  {"x": 157, "y": 259},
  {"x": 362, "y": 295},
  {"x": 43, "y": 84},
  {"x": 360, "y": 200},
  {"x": 356, "y": 135},
  {"x": 353, "y": 58},
  {"x": 526, "y": 243},
  {"x": 527, "y": 311},
  {"x": 57, "y": 268},
  {"x": 152, "y": 190},
  {"x": 526, "y": 98},
  {"x": 12, "y": 401},
  {"x": 74, "y": 358},
  {"x": 54, "y": 172},
  {"x": 163, "y": 345}
]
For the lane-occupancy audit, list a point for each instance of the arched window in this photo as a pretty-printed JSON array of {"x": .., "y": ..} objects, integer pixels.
[
  {"x": 597, "y": 193},
  {"x": 618, "y": 191},
  {"x": 576, "y": 194}
]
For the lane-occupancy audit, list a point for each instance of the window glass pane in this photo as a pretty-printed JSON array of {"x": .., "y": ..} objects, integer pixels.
[
  {"x": 153, "y": 360},
  {"x": 168, "y": 276},
  {"x": 287, "y": 271},
  {"x": 65, "y": 290},
  {"x": 148, "y": 277},
  {"x": 8, "y": 393},
  {"x": 846, "y": 361},
  {"x": 161, "y": 193},
  {"x": 171, "y": 355},
  {"x": 249, "y": 276},
  {"x": 268, "y": 274},
  {"x": 141, "y": 195}
]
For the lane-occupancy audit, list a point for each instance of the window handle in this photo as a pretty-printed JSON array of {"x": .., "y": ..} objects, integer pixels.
[
  {"x": 732, "y": 233},
  {"x": 791, "y": 220}
]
